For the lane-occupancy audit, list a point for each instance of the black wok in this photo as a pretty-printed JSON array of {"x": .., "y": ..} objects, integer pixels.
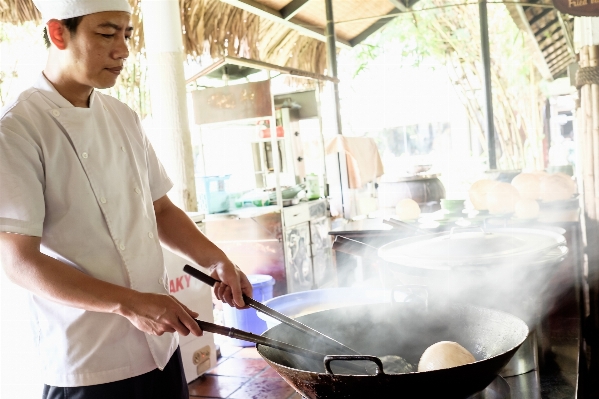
[{"x": 404, "y": 330}]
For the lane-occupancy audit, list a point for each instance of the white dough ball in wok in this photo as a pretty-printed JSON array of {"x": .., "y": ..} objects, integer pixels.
[{"x": 444, "y": 355}]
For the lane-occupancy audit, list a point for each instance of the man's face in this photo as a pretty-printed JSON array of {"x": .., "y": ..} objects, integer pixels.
[{"x": 97, "y": 51}]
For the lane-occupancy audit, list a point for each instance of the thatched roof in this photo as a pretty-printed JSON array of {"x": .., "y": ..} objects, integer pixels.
[
  {"x": 217, "y": 28},
  {"x": 358, "y": 16},
  {"x": 549, "y": 33}
]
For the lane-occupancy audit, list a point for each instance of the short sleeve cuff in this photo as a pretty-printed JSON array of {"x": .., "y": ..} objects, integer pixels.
[
  {"x": 20, "y": 227},
  {"x": 161, "y": 189}
]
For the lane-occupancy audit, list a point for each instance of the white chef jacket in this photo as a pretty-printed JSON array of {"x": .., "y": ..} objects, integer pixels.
[{"x": 84, "y": 180}]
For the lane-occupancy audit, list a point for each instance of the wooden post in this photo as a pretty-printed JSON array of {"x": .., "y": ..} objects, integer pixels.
[
  {"x": 594, "y": 121},
  {"x": 343, "y": 191},
  {"x": 486, "y": 60},
  {"x": 589, "y": 129},
  {"x": 586, "y": 131},
  {"x": 170, "y": 120}
]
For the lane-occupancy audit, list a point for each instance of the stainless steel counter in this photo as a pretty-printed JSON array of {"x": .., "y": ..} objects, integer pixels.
[
  {"x": 557, "y": 379},
  {"x": 240, "y": 213},
  {"x": 291, "y": 245}
]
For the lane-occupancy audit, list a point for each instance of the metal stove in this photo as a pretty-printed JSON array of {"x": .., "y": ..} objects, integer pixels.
[{"x": 498, "y": 389}]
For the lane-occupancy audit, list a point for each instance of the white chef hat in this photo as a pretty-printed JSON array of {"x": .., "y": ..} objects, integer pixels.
[{"x": 64, "y": 9}]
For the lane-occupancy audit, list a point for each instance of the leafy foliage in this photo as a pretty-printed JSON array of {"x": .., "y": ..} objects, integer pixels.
[{"x": 451, "y": 37}]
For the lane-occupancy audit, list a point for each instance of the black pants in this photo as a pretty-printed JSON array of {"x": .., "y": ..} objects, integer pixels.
[{"x": 167, "y": 384}]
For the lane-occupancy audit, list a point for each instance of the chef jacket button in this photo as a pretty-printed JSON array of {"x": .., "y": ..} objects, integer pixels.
[
  {"x": 137, "y": 190},
  {"x": 123, "y": 149},
  {"x": 84, "y": 155},
  {"x": 105, "y": 109},
  {"x": 55, "y": 112},
  {"x": 161, "y": 281},
  {"x": 122, "y": 247},
  {"x": 103, "y": 200},
  {"x": 150, "y": 235}
]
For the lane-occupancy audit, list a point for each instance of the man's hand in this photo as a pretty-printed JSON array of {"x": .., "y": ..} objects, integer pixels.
[
  {"x": 157, "y": 314},
  {"x": 234, "y": 284}
]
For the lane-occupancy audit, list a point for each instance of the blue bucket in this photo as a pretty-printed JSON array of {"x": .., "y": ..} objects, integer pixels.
[{"x": 247, "y": 319}]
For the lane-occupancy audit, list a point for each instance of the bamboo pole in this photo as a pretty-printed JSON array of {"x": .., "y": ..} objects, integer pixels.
[
  {"x": 587, "y": 137},
  {"x": 510, "y": 113},
  {"x": 594, "y": 113},
  {"x": 463, "y": 94},
  {"x": 533, "y": 133}
]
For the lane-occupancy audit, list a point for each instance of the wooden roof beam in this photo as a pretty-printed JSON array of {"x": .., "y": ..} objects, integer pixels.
[
  {"x": 540, "y": 15},
  {"x": 293, "y": 23},
  {"x": 560, "y": 60},
  {"x": 550, "y": 36},
  {"x": 291, "y": 9},
  {"x": 553, "y": 42},
  {"x": 399, "y": 5},
  {"x": 541, "y": 64},
  {"x": 569, "y": 39},
  {"x": 547, "y": 26},
  {"x": 561, "y": 67},
  {"x": 372, "y": 29},
  {"x": 557, "y": 53}
]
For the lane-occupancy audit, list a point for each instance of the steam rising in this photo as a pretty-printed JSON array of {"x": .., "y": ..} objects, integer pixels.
[
  {"x": 524, "y": 287},
  {"x": 516, "y": 285}
]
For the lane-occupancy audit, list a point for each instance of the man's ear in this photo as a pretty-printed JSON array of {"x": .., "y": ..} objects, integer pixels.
[{"x": 57, "y": 33}]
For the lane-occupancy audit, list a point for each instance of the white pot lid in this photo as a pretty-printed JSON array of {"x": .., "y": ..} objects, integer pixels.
[{"x": 471, "y": 248}]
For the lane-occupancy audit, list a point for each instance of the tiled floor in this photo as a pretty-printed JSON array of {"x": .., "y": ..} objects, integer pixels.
[{"x": 241, "y": 374}]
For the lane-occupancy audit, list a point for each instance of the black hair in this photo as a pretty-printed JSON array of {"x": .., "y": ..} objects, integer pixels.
[{"x": 70, "y": 23}]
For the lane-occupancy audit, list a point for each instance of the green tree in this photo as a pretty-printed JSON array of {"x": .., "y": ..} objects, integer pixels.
[{"x": 449, "y": 33}]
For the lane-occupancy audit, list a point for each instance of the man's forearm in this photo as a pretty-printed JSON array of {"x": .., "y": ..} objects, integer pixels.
[
  {"x": 48, "y": 278},
  {"x": 53, "y": 280},
  {"x": 180, "y": 234}
]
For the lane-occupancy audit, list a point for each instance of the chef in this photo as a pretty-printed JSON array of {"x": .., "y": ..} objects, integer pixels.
[{"x": 83, "y": 211}]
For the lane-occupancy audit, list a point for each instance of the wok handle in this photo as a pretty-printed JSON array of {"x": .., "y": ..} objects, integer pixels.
[
  {"x": 330, "y": 358},
  {"x": 260, "y": 340}
]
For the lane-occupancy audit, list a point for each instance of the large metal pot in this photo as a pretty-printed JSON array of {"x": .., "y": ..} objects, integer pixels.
[
  {"x": 467, "y": 248},
  {"x": 512, "y": 281},
  {"x": 404, "y": 330}
]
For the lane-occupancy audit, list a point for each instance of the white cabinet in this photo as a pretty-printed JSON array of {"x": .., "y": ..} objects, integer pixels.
[
  {"x": 198, "y": 353},
  {"x": 298, "y": 262},
  {"x": 293, "y": 246},
  {"x": 322, "y": 259},
  {"x": 308, "y": 257}
]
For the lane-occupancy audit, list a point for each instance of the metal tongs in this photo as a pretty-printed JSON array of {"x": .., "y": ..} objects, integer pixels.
[
  {"x": 270, "y": 312},
  {"x": 258, "y": 339}
]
